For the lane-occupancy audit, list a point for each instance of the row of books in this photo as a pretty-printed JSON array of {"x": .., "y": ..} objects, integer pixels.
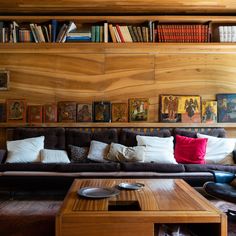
[
  {"x": 227, "y": 33},
  {"x": 67, "y": 31},
  {"x": 190, "y": 33}
]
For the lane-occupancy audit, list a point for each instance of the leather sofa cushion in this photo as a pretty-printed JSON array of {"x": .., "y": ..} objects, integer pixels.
[
  {"x": 153, "y": 167},
  {"x": 51, "y": 167},
  {"x": 54, "y": 137},
  {"x": 216, "y": 132},
  {"x": 128, "y": 136},
  {"x": 83, "y": 137},
  {"x": 209, "y": 167}
]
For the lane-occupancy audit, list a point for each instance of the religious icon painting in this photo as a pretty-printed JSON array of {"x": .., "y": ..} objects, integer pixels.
[
  {"x": 102, "y": 111},
  {"x": 35, "y": 114},
  {"x": 209, "y": 112},
  {"x": 84, "y": 112},
  {"x": 66, "y": 111},
  {"x": 176, "y": 108},
  {"x": 119, "y": 112},
  {"x": 226, "y": 107},
  {"x": 50, "y": 113},
  {"x": 16, "y": 110},
  {"x": 138, "y": 109}
]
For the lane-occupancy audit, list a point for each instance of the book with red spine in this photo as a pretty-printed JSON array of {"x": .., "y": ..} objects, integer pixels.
[{"x": 120, "y": 34}]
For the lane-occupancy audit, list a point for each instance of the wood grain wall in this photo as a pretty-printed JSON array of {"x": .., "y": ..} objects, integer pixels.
[
  {"x": 117, "y": 6},
  {"x": 42, "y": 78}
]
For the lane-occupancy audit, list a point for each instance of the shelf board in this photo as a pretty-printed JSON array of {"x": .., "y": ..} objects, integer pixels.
[
  {"x": 121, "y": 125},
  {"x": 131, "y": 48}
]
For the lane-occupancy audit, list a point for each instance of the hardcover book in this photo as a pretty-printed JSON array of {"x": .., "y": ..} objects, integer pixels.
[
  {"x": 138, "y": 109},
  {"x": 35, "y": 114},
  {"x": 84, "y": 112},
  {"x": 209, "y": 112},
  {"x": 176, "y": 108},
  {"x": 50, "y": 113},
  {"x": 2, "y": 112},
  {"x": 119, "y": 112},
  {"x": 16, "y": 110},
  {"x": 67, "y": 111},
  {"x": 102, "y": 111}
]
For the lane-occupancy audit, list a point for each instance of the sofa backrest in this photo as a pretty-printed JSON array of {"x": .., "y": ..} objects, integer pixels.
[{"x": 54, "y": 137}]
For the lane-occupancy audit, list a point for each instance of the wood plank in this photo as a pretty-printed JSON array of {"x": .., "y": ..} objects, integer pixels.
[{"x": 117, "y": 6}]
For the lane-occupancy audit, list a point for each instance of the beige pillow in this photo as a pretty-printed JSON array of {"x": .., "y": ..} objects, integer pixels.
[
  {"x": 121, "y": 153},
  {"x": 54, "y": 156},
  {"x": 98, "y": 151}
]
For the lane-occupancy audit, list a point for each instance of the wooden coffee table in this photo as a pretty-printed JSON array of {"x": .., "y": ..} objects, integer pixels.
[{"x": 137, "y": 212}]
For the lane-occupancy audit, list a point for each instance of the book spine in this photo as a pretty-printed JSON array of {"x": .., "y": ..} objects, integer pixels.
[
  {"x": 130, "y": 28},
  {"x": 112, "y": 33},
  {"x": 120, "y": 34},
  {"x": 97, "y": 33},
  {"x": 105, "y": 32},
  {"x": 54, "y": 30}
]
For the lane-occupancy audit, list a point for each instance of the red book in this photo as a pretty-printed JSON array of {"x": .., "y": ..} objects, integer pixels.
[{"x": 120, "y": 34}]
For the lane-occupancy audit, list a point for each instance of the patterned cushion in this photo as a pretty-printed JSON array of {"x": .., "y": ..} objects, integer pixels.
[{"x": 78, "y": 154}]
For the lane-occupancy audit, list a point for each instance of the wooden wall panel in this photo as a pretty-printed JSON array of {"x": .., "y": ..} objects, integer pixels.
[
  {"x": 43, "y": 78},
  {"x": 117, "y": 6}
]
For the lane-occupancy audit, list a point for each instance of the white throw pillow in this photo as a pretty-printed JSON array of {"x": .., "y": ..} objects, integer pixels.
[
  {"x": 219, "y": 150},
  {"x": 25, "y": 150},
  {"x": 54, "y": 156},
  {"x": 160, "y": 150},
  {"x": 121, "y": 153},
  {"x": 98, "y": 151}
]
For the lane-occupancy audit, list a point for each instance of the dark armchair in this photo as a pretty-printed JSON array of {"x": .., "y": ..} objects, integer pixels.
[{"x": 221, "y": 187}]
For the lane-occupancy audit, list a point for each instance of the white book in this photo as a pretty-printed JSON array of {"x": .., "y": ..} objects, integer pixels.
[
  {"x": 105, "y": 32},
  {"x": 117, "y": 35},
  {"x": 233, "y": 33},
  {"x": 221, "y": 33},
  {"x": 229, "y": 34},
  {"x": 128, "y": 35},
  {"x": 35, "y": 36},
  {"x": 225, "y": 33}
]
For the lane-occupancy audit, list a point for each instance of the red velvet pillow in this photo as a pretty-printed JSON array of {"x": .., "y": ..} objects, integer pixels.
[{"x": 190, "y": 150}]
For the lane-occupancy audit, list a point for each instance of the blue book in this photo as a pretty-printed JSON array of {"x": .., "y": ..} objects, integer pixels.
[{"x": 54, "y": 30}]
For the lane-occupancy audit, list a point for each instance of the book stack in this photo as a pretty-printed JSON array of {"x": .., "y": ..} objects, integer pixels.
[
  {"x": 227, "y": 33},
  {"x": 190, "y": 33},
  {"x": 83, "y": 34}
]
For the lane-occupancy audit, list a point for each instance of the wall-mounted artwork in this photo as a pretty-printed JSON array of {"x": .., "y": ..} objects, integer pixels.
[
  {"x": 209, "y": 112},
  {"x": 119, "y": 112},
  {"x": 67, "y": 111},
  {"x": 16, "y": 110},
  {"x": 84, "y": 112},
  {"x": 50, "y": 113},
  {"x": 177, "y": 108},
  {"x": 35, "y": 114},
  {"x": 226, "y": 107},
  {"x": 102, "y": 111},
  {"x": 138, "y": 109},
  {"x": 4, "y": 79}
]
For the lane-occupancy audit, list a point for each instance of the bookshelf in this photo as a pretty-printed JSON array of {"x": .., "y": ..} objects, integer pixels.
[{"x": 185, "y": 25}]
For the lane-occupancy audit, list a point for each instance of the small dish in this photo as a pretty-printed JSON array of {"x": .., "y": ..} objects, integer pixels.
[
  {"x": 94, "y": 192},
  {"x": 131, "y": 186}
]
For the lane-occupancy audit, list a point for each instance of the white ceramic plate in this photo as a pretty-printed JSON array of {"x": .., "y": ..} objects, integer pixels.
[{"x": 93, "y": 192}]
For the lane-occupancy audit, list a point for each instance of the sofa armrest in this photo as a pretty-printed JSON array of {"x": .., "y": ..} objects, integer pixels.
[
  {"x": 223, "y": 177},
  {"x": 3, "y": 154}
]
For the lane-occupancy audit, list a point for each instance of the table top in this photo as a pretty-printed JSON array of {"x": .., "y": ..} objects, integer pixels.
[{"x": 160, "y": 198}]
